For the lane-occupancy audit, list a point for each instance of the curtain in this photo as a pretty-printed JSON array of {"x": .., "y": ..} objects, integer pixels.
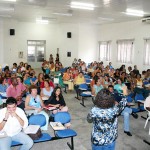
[
  {"x": 147, "y": 52},
  {"x": 104, "y": 50},
  {"x": 124, "y": 48}
]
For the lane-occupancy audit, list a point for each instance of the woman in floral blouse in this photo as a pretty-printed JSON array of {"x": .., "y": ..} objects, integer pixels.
[{"x": 104, "y": 117}]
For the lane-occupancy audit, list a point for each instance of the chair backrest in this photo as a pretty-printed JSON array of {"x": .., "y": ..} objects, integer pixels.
[
  {"x": 63, "y": 117},
  {"x": 129, "y": 99},
  {"x": 139, "y": 97},
  {"x": 38, "y": 119},
  {"x": 83, "y": 86}
]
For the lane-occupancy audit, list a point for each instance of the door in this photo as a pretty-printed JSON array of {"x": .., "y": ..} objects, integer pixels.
[{"x": 36, "y": 52}]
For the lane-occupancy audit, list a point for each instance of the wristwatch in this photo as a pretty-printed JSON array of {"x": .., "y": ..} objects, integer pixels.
[{"x": 4, "y": 120}]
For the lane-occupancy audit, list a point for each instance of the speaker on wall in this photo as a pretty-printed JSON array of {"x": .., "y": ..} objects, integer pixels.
[
  {"x": 12, "y": 31},
  {"x": 68, "y": 54},
  {"x": 68, "y": 34}
]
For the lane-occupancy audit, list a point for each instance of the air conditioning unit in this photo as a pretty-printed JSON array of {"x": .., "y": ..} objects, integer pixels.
[{"x": 146, "y": 20}]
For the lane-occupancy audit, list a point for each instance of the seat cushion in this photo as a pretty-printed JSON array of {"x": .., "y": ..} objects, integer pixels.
[
  {"x": 45, "y": 137},
  {"x": 66, "y": 133}
]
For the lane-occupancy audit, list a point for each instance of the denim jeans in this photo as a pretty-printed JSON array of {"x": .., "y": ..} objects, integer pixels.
[
  {"x": 126, "y": 116},
  {"x": 104, "y": 147},
  {"x": 27, "y": 142}
]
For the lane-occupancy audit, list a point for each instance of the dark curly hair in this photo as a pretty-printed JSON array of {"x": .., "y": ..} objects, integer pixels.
[{"x": 104, "y": 99}]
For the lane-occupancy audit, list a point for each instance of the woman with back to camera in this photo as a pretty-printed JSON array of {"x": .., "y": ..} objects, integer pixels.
[{"x": 104, "y": 118}]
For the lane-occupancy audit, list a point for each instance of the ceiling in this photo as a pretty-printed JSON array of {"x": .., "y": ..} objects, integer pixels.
[{"x": 106, "y": 11}]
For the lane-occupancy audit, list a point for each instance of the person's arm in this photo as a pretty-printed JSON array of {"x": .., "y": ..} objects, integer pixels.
[
  {"x": 89, "y": 117},
  {"x": 93, "y": 91},
  {"x": 4, "y": 120},
  {"x": 18, "y": 118}
]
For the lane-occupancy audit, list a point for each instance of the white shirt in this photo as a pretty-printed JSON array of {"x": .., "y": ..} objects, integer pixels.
[
  {"x": 147, "y": 102},
  {"x": 12, "y": 126}
]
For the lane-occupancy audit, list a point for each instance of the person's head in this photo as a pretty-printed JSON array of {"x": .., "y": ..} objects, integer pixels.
[
  {"x": 80, "y": 74},
  {"x": 135, "y": 67},
  {"x": 19, "y": 79},
  {"x": 104, "y": 99},
  {"x": 3, "y": 81},
  {"x": 33, "y": 90},
  {"x": 138, "y": 76},
  {"x": 14, "y": 81},
  {"x": 111, "y": 88},
  {"x": 14, "y": 65},
  {"x": 129, "y": 68},
  {"x": 57, "y": 91},
  {"x": 119, "y": 81},
  {"x": 98, "y": 81},
  {"x": 11, "y": 104},
  {"x": 46, "y": 83}
]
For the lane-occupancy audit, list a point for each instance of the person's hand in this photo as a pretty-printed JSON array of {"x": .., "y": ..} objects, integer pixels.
[
  {"x": 13, "y": 114},
  {"x": 125, "y": 90},
  {"x": 7, "y": 115},
  {"x": 18, "y": 98},
  {"x": 38, "y": 109},
  {"x": 58, "y": 105}
]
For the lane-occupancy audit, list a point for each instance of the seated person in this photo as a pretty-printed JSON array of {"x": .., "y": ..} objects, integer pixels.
[
  {"x": 12, "y": 121},
  {"x": 126, "y": 112},
  {"x": 67, "y": 78},
  {"x": 47, "y": 90},
  {"x": 16, "y": 91},
  {"x": 3, "y": 85},
  {"x": 118, "y": 86},
  {"x": 57, "y": 100},
  {"x": 77, "y": 81},
  {"x": 97, "y": 86},
  {"x": 34, "y": 102}
]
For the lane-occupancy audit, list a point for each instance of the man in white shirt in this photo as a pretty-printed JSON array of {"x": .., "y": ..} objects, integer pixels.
[
  {"x": 147, "y": 103},
  {"x": 12, "y": 121}
]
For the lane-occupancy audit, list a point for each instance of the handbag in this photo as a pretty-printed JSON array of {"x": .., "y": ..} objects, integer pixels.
[{"x": 33, "y": 131}]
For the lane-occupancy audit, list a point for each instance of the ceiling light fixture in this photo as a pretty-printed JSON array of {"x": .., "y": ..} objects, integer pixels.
[
  {"x": 9, "y": 0},
  {"x": 63, "y": 14},
  {"x": 41, "y": 21},
  {"x": 106, "y": 19},
  {"x": 79, "y": 5},
  {"x": 134, "y": 12}
]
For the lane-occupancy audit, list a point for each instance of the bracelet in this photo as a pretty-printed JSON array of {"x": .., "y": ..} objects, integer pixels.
[{"x": 4, "y": 120}]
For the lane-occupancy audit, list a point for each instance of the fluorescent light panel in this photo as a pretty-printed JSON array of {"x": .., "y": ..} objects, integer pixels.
[
  {"x": 134, "y": 12},
  {"x": 9, "y": 0},
  {"x": 63, "y": 14},
  {"x": 41, "y": 21},
  {"x": 79, "y": 5}
]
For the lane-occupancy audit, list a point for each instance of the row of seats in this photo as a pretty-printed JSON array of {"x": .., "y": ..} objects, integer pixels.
[{"x": 63, "y": 117}]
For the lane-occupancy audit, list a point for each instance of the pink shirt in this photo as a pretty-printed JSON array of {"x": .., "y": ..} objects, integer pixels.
[{"x": 15, "y": 91}]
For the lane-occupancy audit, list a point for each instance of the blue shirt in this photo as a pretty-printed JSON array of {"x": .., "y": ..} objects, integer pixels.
[
  {"x": 3, "y": 88},
  {"x": 105, "y": 123}
]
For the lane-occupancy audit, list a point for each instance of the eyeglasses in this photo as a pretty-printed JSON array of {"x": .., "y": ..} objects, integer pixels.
[{"x": 35, "y": 100}]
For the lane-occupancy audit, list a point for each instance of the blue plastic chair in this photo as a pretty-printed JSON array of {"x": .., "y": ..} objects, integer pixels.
[
  {"x": 84, "y": 92},
  {"x": 64, "y": 117},
  {"x": 40, "y": 120}
]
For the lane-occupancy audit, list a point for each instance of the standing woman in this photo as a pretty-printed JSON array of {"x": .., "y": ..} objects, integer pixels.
[
  {"x": 57, "y": 100},
  {"x": 104, "y": 118},
  {"x": 34, "y": 102}
]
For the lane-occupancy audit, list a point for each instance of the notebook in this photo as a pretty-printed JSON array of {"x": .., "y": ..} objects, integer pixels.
[{"x": 57, "y": 126}]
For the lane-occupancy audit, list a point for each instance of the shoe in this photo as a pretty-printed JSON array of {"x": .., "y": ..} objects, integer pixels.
[
  {"x": 135, "y": 115},
  {"x": 128, "y": 133}
]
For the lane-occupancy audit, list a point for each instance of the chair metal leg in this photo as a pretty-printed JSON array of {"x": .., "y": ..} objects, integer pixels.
[
  {"x": 145, "y": 141},
  {"x": 82, "y": 102},
  {"x": 72, "y": 144}
]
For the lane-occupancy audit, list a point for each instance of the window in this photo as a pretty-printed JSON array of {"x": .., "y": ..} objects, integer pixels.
[
  {"x": 125, "y": 49},
  {"x": 36, "y": 50},
  {"x": 104, "y": 50},
  {"x": 147, "y": 52}
]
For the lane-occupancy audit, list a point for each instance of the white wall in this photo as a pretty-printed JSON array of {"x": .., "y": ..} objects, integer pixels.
[
  {"x": 127, "y": 30},
  {"x": 83, "y": 44},
  {"x": 83, "y": 40}
]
